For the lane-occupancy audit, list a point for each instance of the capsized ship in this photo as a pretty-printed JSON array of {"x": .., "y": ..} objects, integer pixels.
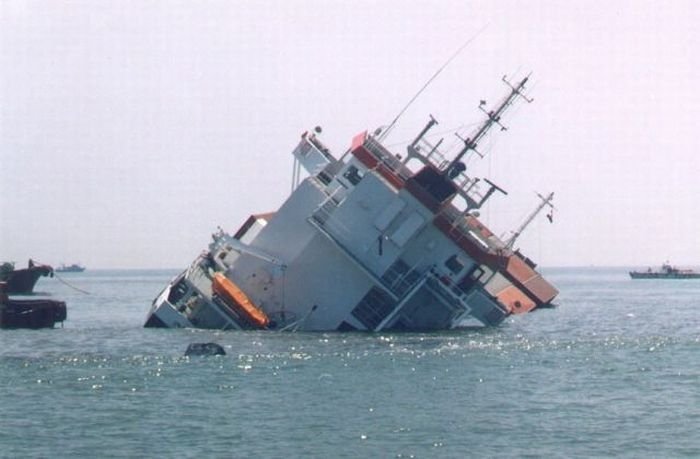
[{"x": 370, "y": 241}]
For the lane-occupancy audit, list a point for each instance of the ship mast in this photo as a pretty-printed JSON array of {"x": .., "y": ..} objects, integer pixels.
[
  {"x": 493, "y": 117},
  {"x": 546, "y": 202}
]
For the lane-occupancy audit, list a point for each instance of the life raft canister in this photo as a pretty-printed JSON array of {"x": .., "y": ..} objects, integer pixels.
[{"x": 234, "y": 297}]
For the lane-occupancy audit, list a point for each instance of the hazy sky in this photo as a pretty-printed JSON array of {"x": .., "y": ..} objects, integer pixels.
[{"x": 130, "y": 130}]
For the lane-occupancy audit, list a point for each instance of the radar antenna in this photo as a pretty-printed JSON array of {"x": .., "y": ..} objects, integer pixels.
[{"x": 493, "y": 117}]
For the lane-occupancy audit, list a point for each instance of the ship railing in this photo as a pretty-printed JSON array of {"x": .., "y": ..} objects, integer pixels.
[
  {"x": 456, "y": 302},
  {"x": 323, "y": 213},
  {"x": 194, "y": 267},
  {"x": 457, "y": 220},
  {"x": 452, "y": 214},
  {"x": 328, "y": 206},
  {"x": 405, "y": 282},
  {"x": 442, "y": 288},
  {"x": 320, "y": 184},
  {"x": 401, "y": 302},
  {"x": 386, "y": 157},
  {"x": 467, "y": 187},
  {"x": 429, "y": 153},
  {"x": 462, "y": 230},
  {"x": 311, "y": 143},
  {"x": 400, "y": 279}
]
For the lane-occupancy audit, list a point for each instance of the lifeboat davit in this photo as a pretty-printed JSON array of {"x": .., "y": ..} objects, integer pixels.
[{"x": 238, "y": 301}]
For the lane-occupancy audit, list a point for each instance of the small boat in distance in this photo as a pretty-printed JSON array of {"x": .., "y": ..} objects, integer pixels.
[
  {"x": 74, "y": 268},
  {"x": 666, "y": 272}
]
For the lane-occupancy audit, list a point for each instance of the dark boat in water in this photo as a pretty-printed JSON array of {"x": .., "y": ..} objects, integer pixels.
[
  {"x": 666, "y": 272},
  {"x": 22, "y": 281},
  {"x": 74, "y": 268},
  {"x": 39, "y": 313}
]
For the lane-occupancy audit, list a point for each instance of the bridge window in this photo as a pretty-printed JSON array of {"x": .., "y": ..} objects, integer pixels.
[
  {"x": 454, "y": 264},
  {"x": 353, "y": 175}
]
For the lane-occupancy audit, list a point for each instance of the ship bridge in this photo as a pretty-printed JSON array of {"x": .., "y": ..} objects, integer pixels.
[{"x": 440, "y": 183}]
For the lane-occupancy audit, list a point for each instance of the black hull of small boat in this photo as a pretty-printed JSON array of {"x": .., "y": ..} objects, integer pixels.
[{"x": 32, "y": 313}]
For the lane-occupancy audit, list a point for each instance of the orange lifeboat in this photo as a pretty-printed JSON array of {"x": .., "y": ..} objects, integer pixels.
[{"x": 239, "y": 301}]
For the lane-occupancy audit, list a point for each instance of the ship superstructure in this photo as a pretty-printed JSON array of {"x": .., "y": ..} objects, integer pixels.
[{"x": 370, "y": 241}]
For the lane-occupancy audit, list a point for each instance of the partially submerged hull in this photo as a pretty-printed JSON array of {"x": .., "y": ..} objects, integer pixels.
[
  {"x": 39, "y": 313},
  {"x": 368, "y": 242},
  {"x": 32, "y": 313}
]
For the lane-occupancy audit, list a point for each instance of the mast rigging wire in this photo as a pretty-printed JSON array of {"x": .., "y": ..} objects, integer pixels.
[{"x": 383, "y": 135}]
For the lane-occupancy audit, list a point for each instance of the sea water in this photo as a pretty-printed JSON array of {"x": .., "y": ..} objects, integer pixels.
[{"x": 613, "y": 371}]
